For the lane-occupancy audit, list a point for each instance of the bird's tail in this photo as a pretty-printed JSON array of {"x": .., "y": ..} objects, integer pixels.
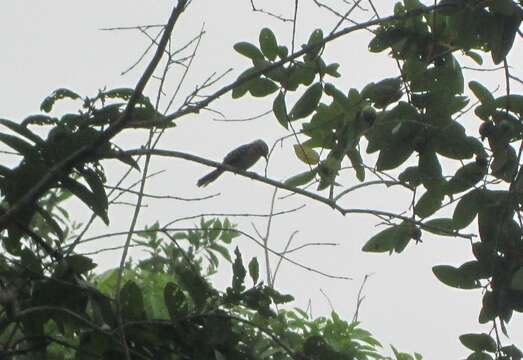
[{"x": 209, "y": 178}]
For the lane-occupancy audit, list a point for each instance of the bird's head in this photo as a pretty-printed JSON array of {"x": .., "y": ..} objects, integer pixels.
[{"x": 262, "y": 148}]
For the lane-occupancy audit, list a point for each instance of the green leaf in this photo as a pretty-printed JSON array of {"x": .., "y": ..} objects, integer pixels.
[
  {"x": 439, "y": 226},
  {"x": 392, "y": 238},
  {"x": 248, "y": 50},
  {"x": 22, "y": 130},
  {"x": 238, "y": 272},
  {"x": 300, "y": 179},
  {"x": 280, "y": 110},
  {"x": 254, "y": 270},
  {"x": 357, "y": 163},
  {"x": 48, "y": 103},
  {"x": 501, "y": 31},
  {"x": 381, "y": 242},
  {"x": 97, "y": 187},
  {"x": 479, "y": 356},
  {"x": 307, "y": 103},
  {"x": 481, "y": 92},
  {"x": 79, "y": 264},
  {"x": 262, "y": 87},
  {"x": 87, "y": 197},
  {"x": 131, "y": 300},
  {"x": 411, "y": 176},
  {"x": 513, "y": 103},
  {"x": 451, "y": 276},
  {"x": 174, "y": 299},
  {"x": 465, "y": 177},
  {"x": 316, "y": 37},
  {"x": 268, "y": 44},
  {"x": 467, "y": 208},
  {"x": 516, "y": 282},
  {"x": 21, "y": 146},
  {"x": 475, "y": 57},
  {"x": 394, "y": 155},
  {"x": 429, "y": 203},
  {"x": 478, "y": 342},
  {"x": 306, "y": 154}
]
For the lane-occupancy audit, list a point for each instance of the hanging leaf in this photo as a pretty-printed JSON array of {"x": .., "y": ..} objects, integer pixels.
[
  {"x": 306, "y": 154},
  {"x": 268, "y": 44},
  {"x": 280, "y": 110},
  {"x": 429, "y": 203},
  {"x": 465, "y": 177},
  {"x": 307, "y": 103}
]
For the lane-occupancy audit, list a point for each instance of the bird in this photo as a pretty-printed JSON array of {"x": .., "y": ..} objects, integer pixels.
[{"x": 243, "y": 157}]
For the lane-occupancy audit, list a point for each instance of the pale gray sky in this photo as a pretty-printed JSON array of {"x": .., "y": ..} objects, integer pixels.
[{"x": 53, "y": 44}]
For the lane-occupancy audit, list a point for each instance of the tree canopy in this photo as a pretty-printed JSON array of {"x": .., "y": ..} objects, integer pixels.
[{"x": 55, "y": 305}]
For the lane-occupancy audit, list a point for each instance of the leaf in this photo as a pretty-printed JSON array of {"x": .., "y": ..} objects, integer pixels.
[
  {"x": 467, "y": 208},
  {"x": 357, "y": 163},
  {"x": 307, "y": 103},
  {"x": 280, "y": 110},
  {"x": 306, "y": 154},
  {"x": 439, "y": 226},
  {"x": 513, "y": 103},
  {"x": 381, "y": 242},
  {"x": 21, "y": 146},
  {"x": 300, "y": 179},
  {"x": 79, "y": 264},
  {"x": 478, "y": 342},
  {"x": 392, "y": 238},
  {"x": 316, "y": 37},
  {"x": 97, "y": 187},
  {"x": 262, "y": 87},
  {"x": 501, "y": 31},
  {"x": 174, "y": 299},
  {"x": 465, "y": 177},
  {"x": 87, "y": 197},
  {"x": 451, "y": 276},
  {"x": 238, "y": 272},
  {"x": 429, "y": 203},
  {"x": 22, "y": 130},
  {"x": 131, "y": 300},
  {"x": 268, "y": 44},
  {"x": 48, "y": 103},
  {"x": 516, "y": 282},
  {"x": 248, "y": 50},
  {"x": 394, "y": 155},
  {"x": 254, "y": 270},
  {"x": 481, "y": 92}
]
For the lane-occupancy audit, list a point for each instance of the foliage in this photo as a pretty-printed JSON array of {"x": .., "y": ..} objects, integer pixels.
[{"x": 54, "y": 306}]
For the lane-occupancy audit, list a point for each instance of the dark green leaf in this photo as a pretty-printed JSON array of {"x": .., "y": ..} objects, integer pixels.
[
  {"x": 22, "y": 130},
  {"x": 87, "y": 197},
  {"x": 465, "y": 177},
  {"x": 451, "y": 276},
  {"x": 268, "y": 44},
  {"x": 174, "y": 299},
  {"x": 429, "y": 203},
  {"x": 280, "y": 110},
  {"x": 48, "y": 103},
  {"x": 248, "y": 50},
  {"x": 439, "y": 226},
  {"x": 516, "y": 282},
  {"x": 254, "y": 270},
  {"x": 467, "y": 208},
  {"x": 307, "y": 103},
  {"x": 262, "y": 87},
  {"x": 131, "y": 300},
  {"x": 478, "y": 342},
  {"x": 481, "y": 92}
]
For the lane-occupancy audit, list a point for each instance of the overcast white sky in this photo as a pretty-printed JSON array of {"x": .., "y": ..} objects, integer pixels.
[{"x": 53, "y": 44}]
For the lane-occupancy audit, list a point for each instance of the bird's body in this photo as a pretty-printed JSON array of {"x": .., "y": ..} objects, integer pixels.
[{"x": 243, "y": 157}]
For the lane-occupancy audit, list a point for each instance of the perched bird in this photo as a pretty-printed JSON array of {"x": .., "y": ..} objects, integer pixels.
[{"x": 242, "y": 157}]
